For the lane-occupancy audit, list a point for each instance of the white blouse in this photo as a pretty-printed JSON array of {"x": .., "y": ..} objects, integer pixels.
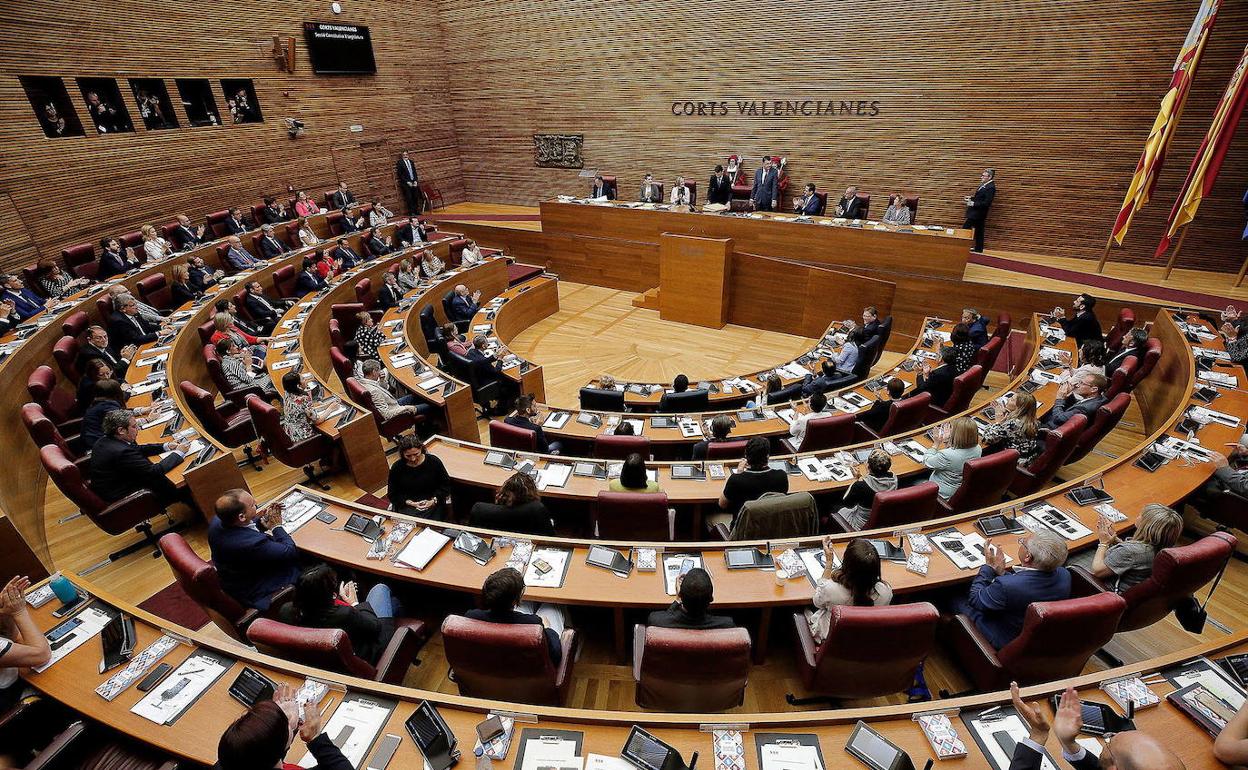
[
  {"x": 308, "y": 238},
  {"x": 157, "y": 249}
]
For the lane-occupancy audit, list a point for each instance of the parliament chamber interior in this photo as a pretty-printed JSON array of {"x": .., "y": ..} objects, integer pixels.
[{"x": 617, "y": 386}]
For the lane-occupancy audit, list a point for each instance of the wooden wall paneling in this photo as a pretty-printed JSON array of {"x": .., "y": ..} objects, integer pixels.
[
  {"x": 695, "y": 276},
  {"x": 786, "y": 296},
  {"x": 1170, "y": 382},
  {"x": 349, "y": 167},
  {"x": 1058, "y": 97},
  {"x": 16, "y": 246}
]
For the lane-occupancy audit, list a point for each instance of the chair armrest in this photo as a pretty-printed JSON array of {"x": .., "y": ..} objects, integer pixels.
[
  {"x": 789, "y": 446},
  {"x": 977, "y": 656},
  {"x": 722, "y": 532},
  {"x": 835, "y": 517},
  {"x": 401, "y": 652},
  {"x": 639, "y": 646},
  {"x": 129, "y": 511},
  {"x": 570, "y": 642},
  {"x": 52, "y": 754},
  {"x": 805, "y": 642},
  {"x": 864, "y": 433},
  {"x": 1084, "y": 583},
  {"x": 16, "y": 712}
]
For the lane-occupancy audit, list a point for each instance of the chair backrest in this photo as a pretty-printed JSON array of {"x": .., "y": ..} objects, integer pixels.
[
  {"x": 68, "y": 478},
  {"x": 695, "y": 400},
  {"x": 240, "y": 307},
  {"x": 342, "y": 364},
  {"x": 1120, "y": 380},
  {"x": 500, "y": 660},
  {"x": 1059, "y": 443},
  {"x": 1151, "y": 355},
  {"x": 268, "y": 422},
  {"x": 333, "y": 221},
  {"x": 345, "y": 314},
  {"x": 213, "y": 362},
  {"x": 1177, "y": 574},
  {"x": 104, "y": 307},
  {"x": 886, "y": 333},
  {"x": 154, "y": 290},
  {"x": 906, "y": 414},
  {"x": 1107, "y": 417},
  {"x": 80, "y": 260},
  {"x": 206, "y": 330},
  {"x": 76, "y": 323},
  {"x": 865, "y": 198},
  {"x": 608, "y": 446},
  {"x": 726, "y": 450},
  {"x": 428, "y": 324},
  {"x": 216, "y": 222},
  {"x": 829, "y": 432},
  {"x": 1004, "y": 324},
  {"x": 456, "y": 254},
  {"x": 986, "y": 356},
  {"x": 361, "y": 395},
  {"x": 59, "y": 405},
  {"x": 823, "y": 203},
  {"x": 868, "y": 354},
  {"x": 774, "y": 516},
  {"x": 328, "y": 648},
  {"x": 873, "y": 651},
  {"x": 984, "y": 481},
  {"x": 200, "y": 581},
  {"x": 602, "y": 400},
  {"x": 204, "y": 407},
  {"x": 284, "y": 280},
  {"x": 43, "y": 432},
  {"x": 691, "y": 670},
  {"x": 65, "y": 351},
  {"x": 912, "y": 203},
  {"x": 899, "y": 507},
  {"x": 1126, "y": 322},
  {"x": 965, "y": 386},
  {"x": 336, "y": 337},
  {"x": 1059, "y": 637},
  {"x": 30, "y": 276},
  {"x": 609, "y": 183},
  {"x": 504, "y": 436},
  {"x": 446, "y": 304},
  {"x": 632, "y": 516},
  {"x": 364, "y": 293}
]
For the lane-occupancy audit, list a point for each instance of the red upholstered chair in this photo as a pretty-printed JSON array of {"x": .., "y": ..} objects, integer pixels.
[
  {"x": 869, "y": 651},
  {"x": 44, "y": 433},
  {"x": 65, "y": 351},
  {"x": 155, "y": 291},
  {"x": 679, "y": 669},
  {"x": 904, "y": 415},
  {"x": 726, "y": 450},
  {"x": 1058, "y": 446},
  {"x": 823, "y": 202},
  {"x": 610, "y": 183},
  {"x": 240, "y": 307},
  {"x": 1151, "y": 355},
  {"x": 345, "y": 313},
  {"x": 1120, "y": 380},
  {"x": 205, "y": 331},
  {"x": 301, "y": 454},
  {"x": 897, "y": 508},
  {"x": 1125, "y": 323},
  {"x": 327, "y": 199},
  {"x": 228, "y": 422},
  {"x": 221, "y": 250},
  {"x": 507, "y": 661},
  {"x": 30, "y": 276},
  {"x": 80, "y": 260},
  {"x": 662, "y": 191},
  {"x": 58, "y": 404},
  {"x": 984, "y": 481},
  {"x": 104, "y": 308},
  {"x": 835, "y": 430},
  {"x": 1178, "y": 573},
  {"x": 390, "y": 428},
  {"x": 237, "y": 397},
  {"x": 364, "y": 293},
  {"x": 456, "y": 255},
  {"x": 80, "y": 745},
  {"x": 200, "y": 581},
  {"x": 1004, "y": 325},
  {"x": 342, "y": 364},
  {"x": 504, "y": 436},
  {"x": 284, "y": 281},
  {"x": 608, "y": 446},
  {"x": 912, "y": 203},
  {"x": 257, "y": 213},
  {"x": 1056, "y": 642},
  {"x": 987, "y": 355},
  {"x": 75, "y": 324},
  {"x": 216, "y": 222},
  {"x": 965, "y": 385},
  {"x": 333, "y": 220},
  {"x": 1105, "y": 420},
  {"x": 692, "y": 187},
  {"x": 336, "y": 338},
  {"x": 168, "y": 228},
  {"x": 117, "y": 518},
  {"x": 633, "y": 516},
  {"x": 132, "y": 239},
  {"x": 330, "y": 648},
  {"x": 865, "y": 209},
  {"x": 432, "y": 193}
]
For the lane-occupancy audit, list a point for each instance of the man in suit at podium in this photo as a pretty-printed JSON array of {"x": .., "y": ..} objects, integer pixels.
[
  {"x": 808, "y": 204},
  {"x": 977, "y": 206},
  {"x": 719, "y": 189},
  {"x": 766, "y": 192},
  {"x": 650, "y": 191},
  {"x": 850, "y": 205},
  {"x": 600, "y": 189},
  {"x": 409, "y": 183}
]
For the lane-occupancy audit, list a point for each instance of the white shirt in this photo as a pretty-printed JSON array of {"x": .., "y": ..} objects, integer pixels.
[
  {"x": 680, "y": 194},
  {"x": 798, "y": 429},
  {"x": 308, "y": 238},
  {"x": 471, "y": 256},
  {"x": 156, "y": 249}
]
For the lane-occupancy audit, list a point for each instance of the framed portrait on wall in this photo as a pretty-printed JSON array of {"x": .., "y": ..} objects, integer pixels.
[
  {"x": 198, "y": 102},
  {"x": 153, "y": 102},
  {"x": 104, "y": 105},
  {"x": 241, "y": 101},
  {"x": 53, "y": 108}
]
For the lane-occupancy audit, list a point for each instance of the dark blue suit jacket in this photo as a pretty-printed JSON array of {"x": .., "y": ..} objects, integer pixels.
[
  {"x": 812, "y": 206},
  {"x": 997, "y": 605},
  {"x": 25, "y": 302},
  {"x": 463, "y": 308},
  {"x": 979, "y": 331},
  {"x": 309, "y": 281},
  {"x": 252, "y": 565},
  {"x": 766, "y": 187}
]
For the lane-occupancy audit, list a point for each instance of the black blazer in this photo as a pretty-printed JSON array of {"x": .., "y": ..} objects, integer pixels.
[
  {"x": 388, "y": 296},
  {"x": 309, "y": 281},
  {"x": 511, "y": 617},
  {"x": 939, "y": 383},
  {"x": 719, "y": 190},
  {"x": 341, "y": 200},
  {"x": 350, "y": 225},
  {"x": 273, "y": 216},
  {"x": 349, "y": 256},
  {"x": 852, "y": 207},
  {"x": 378, "y": 247},
  {"x": 183, "y": 293},
  {"x": 483, "y": 370},
  {"x": 119, "y": 468},
  {"x": 597, "y": 192},
  {"x": 235, "y": 226},
  {"x": 262, "y": 313},
  {"x": 400, "y": 170},
  {"x": 113, "y": 263},
  {"x": 185, "y": 237},
  {"x": 676, "y": 617},
  {"x": 875, "y": 416},
  {"x": 271, "y": 246},
  {"x": 1083, "y": 327},
  {"x": 1026, "y": 758},
  {"x": 199, "y": 278},
  {"x": 129, "y": 330},
  {"x": 543, "y": 445},
  {"x": 110, "y": 355},
  {"x": 408, "y": 233},
  {"x": 529, "y": 518},
  {"x": 982, "y": 200}
]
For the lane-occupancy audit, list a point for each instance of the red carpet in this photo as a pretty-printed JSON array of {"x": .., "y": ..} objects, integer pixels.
[
  {"x": 518, "y": 273},
  {"x": 374, "y": 501},
  {"x": 172, "y": 604}
]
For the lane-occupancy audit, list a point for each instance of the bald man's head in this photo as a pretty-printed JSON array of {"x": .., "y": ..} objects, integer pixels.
[{"x": 1135, "y": 750}]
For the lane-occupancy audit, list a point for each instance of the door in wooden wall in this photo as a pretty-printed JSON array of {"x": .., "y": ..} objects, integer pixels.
[
  {"x": 379, "y": 167},
  {"x": 16, "y": 247},
  {"x": 349, "y": 167}
]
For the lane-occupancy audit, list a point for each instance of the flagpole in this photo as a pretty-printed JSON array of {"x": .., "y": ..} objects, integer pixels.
[
  {"x": 1174, "y": 256},
  {"x": 1100, "y": 266}
]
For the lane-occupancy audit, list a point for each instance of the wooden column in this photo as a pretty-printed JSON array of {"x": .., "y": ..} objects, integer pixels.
[{"x": 693, "y": 279}]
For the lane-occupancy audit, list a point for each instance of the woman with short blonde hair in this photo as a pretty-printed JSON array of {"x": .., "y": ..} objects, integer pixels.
[
  {"x": 956, "y": 444},
  {"x": 1130, "y": 562},
  {"x": 155, "y": 247}
]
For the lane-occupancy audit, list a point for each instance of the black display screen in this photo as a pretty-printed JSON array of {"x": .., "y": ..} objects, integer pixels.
[{"x": 339, "y": 49}]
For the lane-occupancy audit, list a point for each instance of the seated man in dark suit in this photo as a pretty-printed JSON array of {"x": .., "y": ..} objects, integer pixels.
[
  {"x": 254, "y": 556},
  {"x": 234, "y": 223},
  {"x": 1085, "y": 325},
  {"x": 126, "y": 326},
  {"x": 1129, "y": 750},
  {"x": 264, "y": 312},
  {"x": 411, "y": 232},
  {"x": 352, "y": 220},
  {"x": 464, "y": 305},
  {"x": 237, "y": 258},
  {"x": 694, "y": 593},
  {"x": 871, "y": 326},
  {"x": 97, "y": 346},
  {"x": 342, "y": 197},
  {"x": 116, "y": 259},
  {"x": 938, "y": 381},
  {"x": 524, "y": 417},
  {"x": 274, "y": 212},
  {"x": 379, "y": 244},
  {"x": 119, "y": 465},
  {"x": 1083, "y": 394},
  {"x": 600, "y": 189},
  {"x": 808, "y": 204},
  {"x": 348, "y": 256},
  {"x": 271, "y": 246},
  {"x": 309, "y": 280},
  {"x": 186, "y": 235},
  {"x": 978, "y": 326},
  {"x": 719, "y": 188},
  {"x": 826, "y": 380},
  {"x": 500, "y": 603},
  {"x": 1000, "y": 596},
  {"x": 875, "y": 417},
  {"x": 390, "y": 293},
  {"x": 25, "y": 301},
  {"x": 850, "y": 205},
  {"x": 199, "y": 275}
]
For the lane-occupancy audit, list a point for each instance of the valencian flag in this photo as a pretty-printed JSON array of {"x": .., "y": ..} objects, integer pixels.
[
  {"x": 1204, "y": 170},
  {"x": 1154, "y": 155}
]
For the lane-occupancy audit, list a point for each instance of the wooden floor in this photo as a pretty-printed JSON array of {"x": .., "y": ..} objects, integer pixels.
[{"x": 598, "y": 330}]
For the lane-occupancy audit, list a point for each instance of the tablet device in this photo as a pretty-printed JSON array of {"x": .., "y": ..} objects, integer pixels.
[
  {"x": 746, "y": 558},
  {"x": 1099, "y": 718},
  {"x": 687, "y": 472},
  {"x": 887, "y": 551},
  {"x": 609, "y": 558},
  {"x": 876, "y": 751},
  {"x": 1089, "y": 496},
  {"x": 250, "y": 687},
  {"x": 1150, "y": 461},
  {"x": 501, "y": 459},
  {"x": 117, "y": 639},
  {"x": 998, "y": 524},
  {"x": 662, "y": 422},
  {"x": 646, "y": 752},
  {"x": 362, "y": 526},
  {"x": 589, "y": 469},
  {"x": 1206, "y": 394}
]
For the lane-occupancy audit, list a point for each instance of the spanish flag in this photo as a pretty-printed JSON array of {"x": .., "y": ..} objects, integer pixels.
[
  {"x": 1149, "y": 167},
  {"x": 1213, "y": 149}
]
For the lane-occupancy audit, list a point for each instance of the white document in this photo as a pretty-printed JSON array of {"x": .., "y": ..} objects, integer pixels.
[
  {"x": 93, "y": 621},
  {"x": 788, "y": 415},
  {"x": 784, "y": 757},
  {"x": 285, "y": 363},
  {"x": 1212, "y": 680},
  {"x": 672, "y": 565},
  {"x": 151, "y": 360},
  {"x": 812, "y": 560},
  {"x": 298, "y": 510},
  {"x": 279, "y": 344},
  {"x": 689, "y": 428},
  {"x": 431, "y": 383},
  {"x": 553, "y": 476},
  {"x": 1219, "y": 378},
  {"x": 1014, "y": 726},
  {"x": 421, "y": 549},
  {"x": 159, "y": 419},
  {"x": 550, "y": 755},
  {"x": 177, "y": 690},
  {"x": 556, "y": 420},
  {"x": 557, "y": 558},
  {"x": 362, "y": 720},
  {"x": 638, "y": 425},
  {"x": 604, "y": 762},
  {"x": 337, "y": 409},
  {"x": 196, "y": 446}
]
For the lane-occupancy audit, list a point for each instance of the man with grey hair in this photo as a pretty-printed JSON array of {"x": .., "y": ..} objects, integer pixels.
[
  {"x": 126, "y": 326},
  {"x": 238, "y": 258},
  {"x": 977, "y": 325},
  {"x": 119, "y": 464},
  {"x": 146, "y": 311},
  {"x": 387, "y": 405},
  {"x": 1000, "y": 595},
  {"x": 977, "y": 206},
  {"x": 463, "y": 306},
  {"x": 270, "y": 246}
]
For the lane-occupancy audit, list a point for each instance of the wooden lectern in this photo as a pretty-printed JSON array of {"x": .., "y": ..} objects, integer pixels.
[{"x": 693, "y": 279}]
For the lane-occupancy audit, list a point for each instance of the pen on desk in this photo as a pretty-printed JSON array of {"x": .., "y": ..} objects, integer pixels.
[
  {"x": 693, "y": 761},
  {"x": 196, "y": 671},
  {"x": 328, "y": 703},
  {"x": 986, "y": 712}
]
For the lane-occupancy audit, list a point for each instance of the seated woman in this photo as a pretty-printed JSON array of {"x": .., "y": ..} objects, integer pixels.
[
  {"x": 419, "y": 483},
  {"x": 634, "y": 477},
  {"x": 56, "y": 283},
  {"x": 1017, "y": 428},
  {"x": 955, "y": 444},
  {"x": 409, "y": 277},
  {"x": 1125, "y": 563},
  {"x": 304, "y": 230},
  {"x": 879, "y": 477},
  {"x": 963, "y": 348},
  {"x": 471, "y": 255},
  {"x": 847, "y": 357},
  {"x": 225, "y": 328},
  {"x": 818, "y": 402},
  {"x": 22, "y": 643},
  {"x": 326, "y": 265},
  {"x": 897, "y": 213},
  {"x": 237, "y": 366},
  {"x": 368, "y": 337},
  {"x": 721, "y": 427},
  {"x": 304, "y": 206},
  {"x": 108, "y": 395},
  {"x": 773, "y": 386},
  {"x": 299, "y": 413},
  {"x": 156, "y": 248},
  {"x": 517, "y": 507},
  {"x": 378, "y": 215},
  {"x": 1091, "y": 360},
  {"x": 323, "y": 602},
  {"x": 180, "y": 286},
  {"x": 455, "y": 342},
  {"x": 95, "y": 370},
  {"x": 500, "y": 603},
  {"x": 856, "y": 582},
  {"x": 430, "y": 265}
]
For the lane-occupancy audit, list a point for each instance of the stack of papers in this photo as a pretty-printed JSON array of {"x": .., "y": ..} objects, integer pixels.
[
  {"x": 824, "y": 469},
  {"x": 674, "y": 564},
  {"x": 553, "y": 475},
  {"x": 556, "y": 559},
  {"x": 964, "y": 549},
  {"x": 420, "y": 551},
  {"x": 1219, "y": 378},
  {"x": 181, "y": 688},
  {"x": 431, "y": 382}
]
